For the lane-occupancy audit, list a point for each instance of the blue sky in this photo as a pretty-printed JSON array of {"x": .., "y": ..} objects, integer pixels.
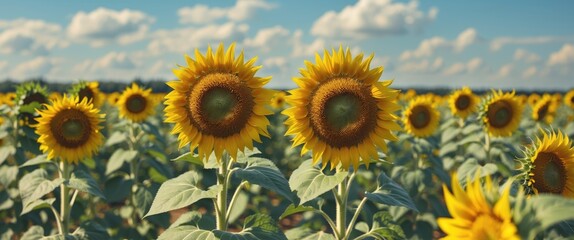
[{"x": 482, "y": 44}]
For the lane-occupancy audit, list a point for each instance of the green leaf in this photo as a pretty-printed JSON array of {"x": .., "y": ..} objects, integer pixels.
[
  {"x": 34, "y": 233},
  {"x": 5, "y": 152},
  {"x": 188, "y": 218},
  {"x": 118, "y": 158},
  {"x": 256, "y": 227},
  {"x": 7, "y": 175},
  {"x": 305, "y": 233},
  {"x": 209, "y": 163},
  {"x": 36, "y": 184},
  {"x": 291, "y": 209},
  {"x": 390, "y": 193},
  {"x": 37, "y": 204},
  {"x": 91, "y": 230},
  {"x": 449, "y": 134},
  {"x": 470, "y": 166},
  {"x": 246, "y": 155},
  {"x": 385, "y": 228},
  {"x": 143, "y": 199},
  {"x": 117, "y": 188},
  {"x": 83, "y": 181},
  {"x": 552, "y": 209},
  {"x": 186, "y": 232},
  {"x": 156, "y": 176},
  {"x": 309, "y": 182},
  {"x": 268, "y": 178},
  {"x": 40, "y": 159},
  {"x": 115, "y": 138},
  {"x": 157, "y": 155},
  {"x": 5, "y": 203},
  {"x": 180, "y": 192}
]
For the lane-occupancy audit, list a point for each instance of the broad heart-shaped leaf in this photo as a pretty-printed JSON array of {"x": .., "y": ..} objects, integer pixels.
[
  {"x": 246, "y": 155},
  {"x": 180, "y": 192},
  {"x": 186, "y": 232},
  {"x": 305, "y": 233},
  {"x": 470, "y": 167},
  {"x": 385, "y": 228},
  {"x": 256, "y": 227},
  {"x": 36, "y": 184},
  {"x": 40, "y": 159},
  {"x": 7, "y": 175},
  {"x": 5, "y": 152},
  {"x": 291, "y": 209},
  {"x": 118, "y": 158},
  {"x": 84, "y": 182},
  {"x": 543, "y": 211},
  {"x": 34, "y": 233},
  {"x": 91, "y": 230},
  {"x": 143, "y": 199},
  {"x": 391, "y": 193},
  {"x": 209, "y": 163},
  {"x": 268, "y": 178},
  {"x": 115, "y": 138},
  {"x": 37, "y": 204},
  {"x": 309, "y": 182}
]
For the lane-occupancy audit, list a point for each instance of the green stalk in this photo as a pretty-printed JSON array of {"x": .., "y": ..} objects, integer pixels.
[
  {"x": 65, "y": 198},
  {"x": 356, "y": 216},
  {"x": 486, "y": 148},
  {"x": 221, "y": 200},
  {"x": 341, "y": 220}
]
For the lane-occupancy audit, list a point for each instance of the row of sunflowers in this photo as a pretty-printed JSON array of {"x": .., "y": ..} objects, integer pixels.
[{"x": 342, "y": 156}]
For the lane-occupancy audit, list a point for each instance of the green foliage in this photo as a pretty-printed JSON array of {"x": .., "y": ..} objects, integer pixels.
[{"x": 310, "y": 182}]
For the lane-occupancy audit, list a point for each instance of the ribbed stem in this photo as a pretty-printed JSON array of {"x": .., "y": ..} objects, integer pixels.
[
  {"x": 341, "y": 219},
  {"x": 65, "y": 199}
]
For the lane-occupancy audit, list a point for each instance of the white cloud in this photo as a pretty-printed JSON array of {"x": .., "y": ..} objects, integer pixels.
[
  {"x": 118, "y": 60},
  {"x": 37, "y": 67},
  {"x": 276, "y": 64},
  {"x": 524, "y": 55},
  {"x": 499, "y": 42},
  {"x": 301, "y": 49},
  {"x": 423, "y": 66},
  {"x": 563, "y": 56},
  {"x": 161, "y": 69},
  {"x": 373, "y": 18},
  {"x": 428, "y": 46},
  {"x": 267, "y": 38},
  {"x": 505, "y": 70},
  {"x": 186, "y": 39},
  {"x": 459, "y": 68},
  {"x": 103, "y": 26},
  {"x": 243, "y": 9},
  {"x": 30, "y": 36},
  {"x": 529, "y": 72},
  {"x": 107, "y": 66},
  {"x": 473, "y": 65},
  {"x": 3, "y": 64}
]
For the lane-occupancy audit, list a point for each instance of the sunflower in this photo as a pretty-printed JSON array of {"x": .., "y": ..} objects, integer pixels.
[
  {"x": 463, "y": 102},
  {"x": 544, "y": 109},
  {"x": 421, "y": 118},
  {"x": 9, "y": 98},
  {"x": 278, "y": 100},
  {"x": 341, "y": 111},
  {"x": 500, "y": 113},
  {"x": 549, "y": 165},
  {"x": 218, "y": 103},
  {"x": 474, "y": 216},
  {"x": 136, "y": 103},
  {"x": 533, "y": 99},
  {"x": 54, "y": 95},
  {"x": 69, "y": 129},
  {"x": 89, "y": 90},
  {"x": 29, "y": 97},
  {"x": 569, "y": 99}
]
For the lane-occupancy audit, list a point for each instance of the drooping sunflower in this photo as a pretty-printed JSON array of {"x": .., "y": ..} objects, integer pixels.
[
  {"x": 463, "y": 102},
  {"x": 548, "y": 165},
  {"x": 569, "y": 99},
  {"x": 218, "y": 103},
  {"x": 474, "y": 216},
  {"x": 500, "y": 113},
  {"x": 90, "y": 91},
  {"x": 69, "y": 129},
  {"x": 341, "y": 112},
  {"x": 136, "y": 103},
  {"x": 278, "y": 100},
  {"x": 30, "y": 96},
  {"x": 544, "y": 110},
  {"x": 421, "y": 118}
]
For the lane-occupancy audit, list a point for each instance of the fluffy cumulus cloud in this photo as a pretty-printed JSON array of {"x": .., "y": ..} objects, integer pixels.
[
  {"x": 459, "y": 68},
  {"x": 201, "y": 14},
  {"x": 114, "y": 65},
  {"x": 564, "y": 56},
  {"x": 428, "y": 46},
  {"x": 37, "y": 67},
  {"x": 27, "y": 36},
  {"x": 505, "y": 70},
  {"x": 3, "y": 65},
  {"x": 526, "y": 56},
  {"x": 103, "y": 26},
  {"x": 422, "y": 66},
  {"x": 186, "y": 39},
  {"x": 301, "y": 49},
  {"x": 267, "y": 38},
  {"x": 367, "y": 18},
  {"x": 529, "y": 72},
  {"x": 497, "y": 43},
  {"x": 276, "y": 64}
]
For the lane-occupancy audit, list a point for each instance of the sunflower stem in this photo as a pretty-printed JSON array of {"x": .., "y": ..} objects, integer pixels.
[
  {"x": 234, "y": 198},
  {"x": 58, "y": 221},
  {"x": 65, "y": 198},
  {"x": 355, "y": 216},
  {"x": 341, "y": 220},
  {"x": 486, "y": 148},
  {"x": 221, "y": 200}
]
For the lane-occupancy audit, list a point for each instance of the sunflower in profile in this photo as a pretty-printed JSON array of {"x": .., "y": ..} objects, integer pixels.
[
  {"x": 463, "y": 102},
  {"x": 549, "y": 165},
  {"x": 136, "y": 103},
  {"x": 278, "y": 100},
  {"x": 69, "y": 129},
  {"x": 29, "y": 97},
  {"x": 421, "y": 118},
  {"x": 218, "y": 103},
  {"x": 474, "y": 216},
  {"x": 569, "y": 99},
  {"x": 544, "y": 110},
  {"x": 341, "y": 111},
  {"x": 500, "y": 113},
  {"x": 90, "y": 91}
]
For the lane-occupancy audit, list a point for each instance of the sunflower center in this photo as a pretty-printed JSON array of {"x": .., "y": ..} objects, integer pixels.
[
  {"x": 462, "y": 102},
  {"x": 220, "y": 104},
  {"x": 499, "y": 114},
  {"x": 35, "y": 97},
  {"x": 420, "y": 117},
  {"x": 549, "y": 173},
  {"x": 486, "y": 227},
  {"x": 572, "y": 99},
  {"x": 343, "y": 112},
  {"x": 136, "y": 103},
  {"x": 71, "y": 128},
  {"x": 542, "y": 111},
  {"x": 86, "y": 92}
]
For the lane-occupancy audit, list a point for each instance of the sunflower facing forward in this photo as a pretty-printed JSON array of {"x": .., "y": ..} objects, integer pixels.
[
  {"x": 135, "y": 103},
  {"x": 549, "y": 165},
  {"x": 463, "y": 102},
  {"x": 341, "y": 111},
  {"x": 278, "y": 100},
  {"x": 501, "y": 114},
  {"x": 69, "y": 129},
  {"x": 474, "y": 216},
  {"x": 569, "y": 99},
  {"x": 90, "y": 91},
  {"x": 544, "y": 109},
  {"x": 218, "y": 103},
  {"x": 421, "y": 118}
]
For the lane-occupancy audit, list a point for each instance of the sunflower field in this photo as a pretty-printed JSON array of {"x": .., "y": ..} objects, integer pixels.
[{"x": 344, "y": 155}]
